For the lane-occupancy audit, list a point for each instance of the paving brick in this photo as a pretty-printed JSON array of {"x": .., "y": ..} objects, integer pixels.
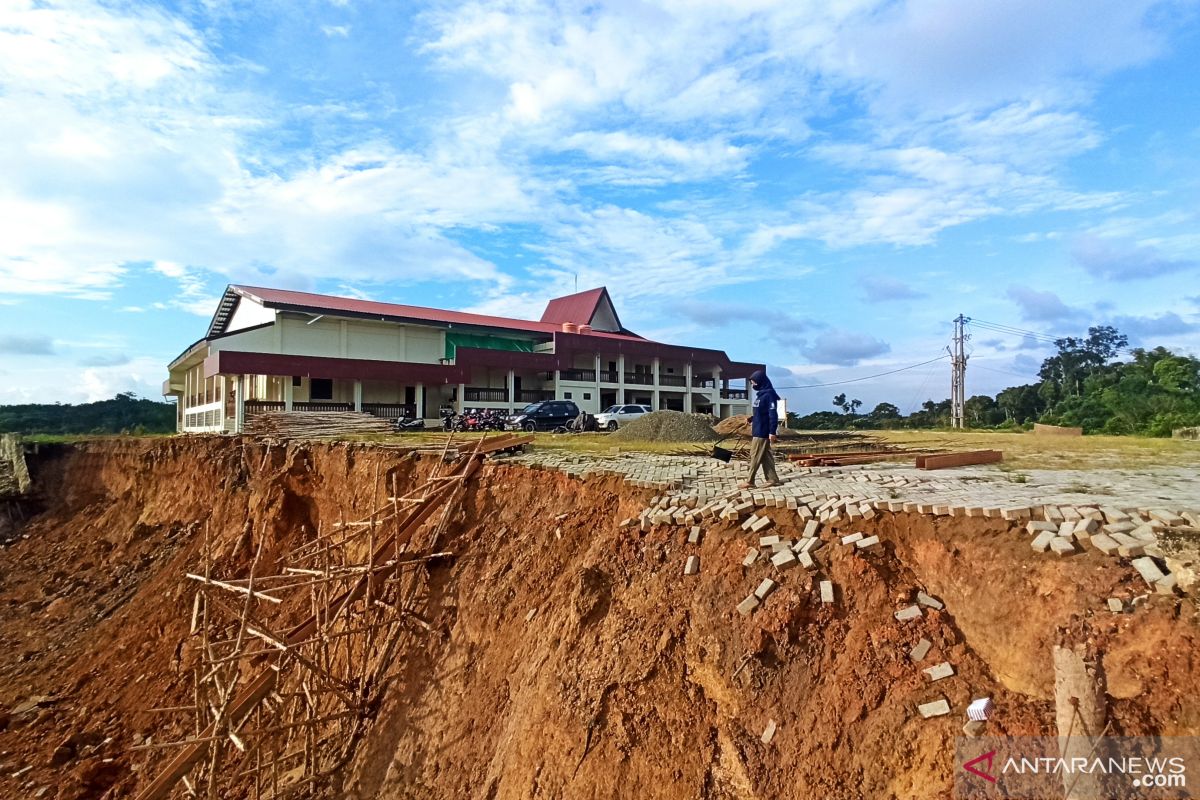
[
  {"x": 806, "y": 560},
  {"x": 784, "y": 560},
  {"x": 1105, "y": 544},
  {"x": 939, "y": 671},
  {"x": 1169, "y": 518},
  {"x": 1114, "y": 514},
  {"x": 929, "y": 602},
  {"x": 811, "y": 528},
  {"x": 869, "y": 543},
  {"x": 692, "y": 566},
  {"x": 1144, "y": 533},
  {"x": 936, "y": 708},
  {"x": 694, "y": 535},
  {"x": 1149, "y": 570},
  {"x": 851, "y": 538},
  {"x": 1062, "y": 546},
  {"x": 762, "y": 523},
  {"x": 1013, "y": 513},
  {"x": 750, "y": 520},
  {"x": 769, "y": 541},
  {"x": 769, "y": 732},
  {"x": 826, "y": 591},
  {"x": 973, "y": 728},
  {"x": 1116, "y": 605},
  {"x": 905, "y": 614},
  {"x": 1166, "y": 585},
  {"x": 765, "y": 588},
  {"x": 920, "y": 650},
  {"x": 747, "y": 606},
  {"x": 1087, "y": 526},
  {"x": 1041, "y": 542},
  {"x": 751, "y": 557},
  {"x": 1127, "y": 546},
  {"x": 1034, "y": 527},
  {"x": 1119, "y": 527}
]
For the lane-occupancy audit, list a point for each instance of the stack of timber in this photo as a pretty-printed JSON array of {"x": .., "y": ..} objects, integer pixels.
[
  {"x": 847, "y": 459},
  {"x": 315, "y": 424}
]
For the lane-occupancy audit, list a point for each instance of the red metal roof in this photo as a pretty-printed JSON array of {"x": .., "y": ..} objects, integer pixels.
[
  {"x": 578, "y": 308},
  {"x": 321, "y": 303}
]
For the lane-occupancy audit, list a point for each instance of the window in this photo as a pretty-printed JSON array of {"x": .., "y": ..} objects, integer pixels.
[
  {"x": 587, "y": 395},
  {"x": 320, "y": 389},
  {"x": 567, "y": 395},
  {"x": 296, "y": 380}
]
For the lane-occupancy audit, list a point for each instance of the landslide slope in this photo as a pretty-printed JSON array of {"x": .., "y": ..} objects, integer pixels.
[{"x": 568, "y": 657}]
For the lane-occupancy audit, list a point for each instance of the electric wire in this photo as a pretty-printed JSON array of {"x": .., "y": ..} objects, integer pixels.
[{"x": 865, "y": 377}]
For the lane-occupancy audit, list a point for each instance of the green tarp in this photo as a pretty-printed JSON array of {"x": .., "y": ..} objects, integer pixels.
[{"x": 456, "y": 340}]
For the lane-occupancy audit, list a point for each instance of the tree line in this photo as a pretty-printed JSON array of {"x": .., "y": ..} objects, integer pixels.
[
  {"x": 125, "y": 413},
  {"x": 1084, "y": 384}
]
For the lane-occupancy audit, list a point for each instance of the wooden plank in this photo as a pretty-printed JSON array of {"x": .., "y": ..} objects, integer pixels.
[{"x": 960, "y": 459}]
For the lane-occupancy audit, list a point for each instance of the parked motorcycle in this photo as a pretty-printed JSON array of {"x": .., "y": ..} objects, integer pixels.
[{"x": 402, "y": 424}]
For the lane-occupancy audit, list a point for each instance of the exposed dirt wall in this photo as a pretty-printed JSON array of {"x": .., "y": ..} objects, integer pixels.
[{"x": 569, "y": 657}]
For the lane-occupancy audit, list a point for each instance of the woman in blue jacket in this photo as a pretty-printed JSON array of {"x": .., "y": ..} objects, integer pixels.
[{"x": 764, "y": 420}]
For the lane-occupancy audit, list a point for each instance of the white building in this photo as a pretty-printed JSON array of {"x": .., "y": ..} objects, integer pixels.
[{"x": 275, "y": 350}]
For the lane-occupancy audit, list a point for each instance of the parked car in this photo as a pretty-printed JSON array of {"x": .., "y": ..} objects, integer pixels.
[
  {"x": 614, "y": 417},
  {"x": 547, "y": 415}
]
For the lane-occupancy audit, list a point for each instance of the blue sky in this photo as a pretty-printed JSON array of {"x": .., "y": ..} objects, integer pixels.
[{"x": 821, "y": 186}]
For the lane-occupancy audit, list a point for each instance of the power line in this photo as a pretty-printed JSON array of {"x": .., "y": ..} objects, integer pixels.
[
  {"x": 997, "y": 327},
  {"x": 1004, "y": 371},
  {"x": 865, "y": 377}
]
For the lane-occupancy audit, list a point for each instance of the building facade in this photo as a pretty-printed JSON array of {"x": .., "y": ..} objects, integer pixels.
[{"x": 276, "y": 350}]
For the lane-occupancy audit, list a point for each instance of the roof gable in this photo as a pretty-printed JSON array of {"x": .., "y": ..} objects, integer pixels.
[{"x": 593, "y": 307}]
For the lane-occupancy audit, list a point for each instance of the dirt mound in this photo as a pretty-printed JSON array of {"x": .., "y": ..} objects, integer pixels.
[
  {"x": 741, "y": 426},
  {"x": 733, "y": 426},
  {"x": 563, "y": 655},
  {"x": 669, "y": 426}
]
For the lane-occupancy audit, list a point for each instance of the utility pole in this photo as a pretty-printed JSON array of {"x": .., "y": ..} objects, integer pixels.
[{"x": 958, "y": 373}]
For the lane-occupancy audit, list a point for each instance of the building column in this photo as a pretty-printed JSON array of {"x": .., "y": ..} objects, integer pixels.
[
  {"x": 596, "y": 360},
  {"x": 358, "y": 394},
  {"x": 512, "y": 390},
  {"x": 419, "y": 401},
  {"x": 656, "y": 399},
  {"x": 239, "y": 403},
  {"x": 716, "y": 392},
  {"x": 687, "y": 396},
  {"x": 558, "y": 384},
  {"x": 460, "y": 398},
  {"x": 621, "y": 379},
  {"x": 289, "y": 393}
]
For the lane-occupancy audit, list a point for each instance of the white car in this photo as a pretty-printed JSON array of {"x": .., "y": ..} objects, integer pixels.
[{"x": 614, "y": 417}]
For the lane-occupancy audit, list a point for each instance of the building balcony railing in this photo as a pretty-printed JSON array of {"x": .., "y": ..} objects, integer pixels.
[
  {"x": 672, "y": 380},
  {"x": 255, "y": 407},
  {"x": 609, "y": 376},
  {"x": 580, "y": 375},
  {"x": 703, "y": 383},
  {"x": 734, "y": 394},
  {"x": 639, "y": 378},
  {"x": 477, "y": 395},
  {"x": 390, "y": 410},
  {"x": 533, "y": 396}
]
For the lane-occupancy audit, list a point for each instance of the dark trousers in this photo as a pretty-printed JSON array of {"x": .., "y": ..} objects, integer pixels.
[{"x": 760, "y": 455}]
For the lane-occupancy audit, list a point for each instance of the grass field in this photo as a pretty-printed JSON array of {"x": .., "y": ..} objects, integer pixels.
[
  {"x": 1027, "y": 451},
  {"x": 1022, "y": 451}
]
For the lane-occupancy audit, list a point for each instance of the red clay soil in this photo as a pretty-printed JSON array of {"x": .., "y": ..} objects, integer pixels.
[{"x": 630, "y": 680}]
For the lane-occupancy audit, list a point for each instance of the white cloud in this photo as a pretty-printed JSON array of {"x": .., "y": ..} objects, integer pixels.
[{"x": 336, "y": 31}]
